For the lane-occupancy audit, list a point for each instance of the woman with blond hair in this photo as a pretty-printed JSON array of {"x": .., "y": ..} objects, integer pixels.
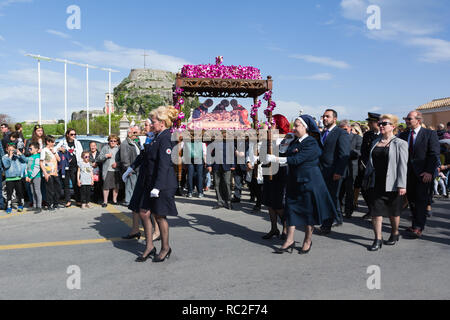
[
  {"x": 158, "y": 183},
  {"x": 110, "y": 158},
  {"x": 385, "y": 179},
  {"x": 356, "y": 129}
]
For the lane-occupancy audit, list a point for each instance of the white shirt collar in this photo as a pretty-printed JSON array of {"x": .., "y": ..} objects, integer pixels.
[
  {"x": 416, "y": 130},
  {"x": 331, "y": 129},
  {"x": 303, "y": 138}
]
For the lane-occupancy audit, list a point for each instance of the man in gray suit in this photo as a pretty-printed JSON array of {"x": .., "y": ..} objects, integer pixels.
[{"x": 348, "y": 189}]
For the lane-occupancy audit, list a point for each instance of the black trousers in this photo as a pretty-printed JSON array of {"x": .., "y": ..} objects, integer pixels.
[
  {"x": 418, "y": 194},
  {"x": 71, "y": 175},
  {"x": 85, "y": 192},
  {"x": 52, "y": 190},
  {"x": 256, "y": 190},
  {"x": 238, "y": 182},
  {"x": 10, "y": 187},
  {"x": 222, "y": 184},
  {"x": 348, "y": 191},
  {"x": 98, "y": 191},
  {"x": 334, "y": 188}
]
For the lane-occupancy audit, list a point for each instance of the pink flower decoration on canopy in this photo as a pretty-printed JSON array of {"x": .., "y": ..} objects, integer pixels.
[
  {"x": 255, "y": 108},
  {"x": 219, "y": 71}
]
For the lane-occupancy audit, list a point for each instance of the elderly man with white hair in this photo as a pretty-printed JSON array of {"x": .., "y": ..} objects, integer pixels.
[{"x": 129, "y": 151}]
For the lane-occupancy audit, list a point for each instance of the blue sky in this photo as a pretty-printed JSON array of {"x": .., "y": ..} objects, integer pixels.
[{"x": 320, "y": 53}]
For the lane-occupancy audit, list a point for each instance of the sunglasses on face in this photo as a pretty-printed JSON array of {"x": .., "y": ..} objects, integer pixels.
[
  {"x": 113, "y": 141},
  {"x": 87, "y": 157},
  {"x": 73, "y": 134},
  {"x": 408, "y": 119},
  {"x": 384, "y": 124}
]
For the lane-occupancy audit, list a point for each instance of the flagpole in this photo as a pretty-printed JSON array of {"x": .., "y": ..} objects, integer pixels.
[
  {"x": 39, "y": 92},
  {"x": 65, "y": 96},
  {"x": 87, "y": 97}
]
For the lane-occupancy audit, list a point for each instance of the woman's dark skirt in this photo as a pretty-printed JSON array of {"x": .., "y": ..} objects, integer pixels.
[
  {"x": 273, "y": 194},
  {"x": 162, "y": 206},
  {"x": 385, "y": 204}
]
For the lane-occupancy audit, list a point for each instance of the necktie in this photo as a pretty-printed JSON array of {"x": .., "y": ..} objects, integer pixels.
[
  {"x": 325, "y": 135},
  {"x": 411, "y": 142}
]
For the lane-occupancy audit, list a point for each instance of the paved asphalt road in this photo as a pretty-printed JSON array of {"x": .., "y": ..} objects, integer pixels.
[{"x": 216, "y": 255}]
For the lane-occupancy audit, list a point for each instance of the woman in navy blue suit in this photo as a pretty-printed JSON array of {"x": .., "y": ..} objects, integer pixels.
[
  {"x": 158, "y": 183},
  {"x": 308, "y": 202}
]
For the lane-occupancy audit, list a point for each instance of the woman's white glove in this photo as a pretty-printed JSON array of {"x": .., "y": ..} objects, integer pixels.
[
  {"x": 127, "y": 174},
  {"x": 154, "y": 193},
  {"x": 273, "y": 159}
]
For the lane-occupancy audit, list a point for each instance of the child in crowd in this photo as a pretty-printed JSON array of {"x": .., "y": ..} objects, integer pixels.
[
  {"x": 13, "y": 163},
  {"x": 34, "y": 176},
  {"x": 85, "y": 180},
  {"x": 49, "y": 166},
  {"x": 440, "y": 180}
]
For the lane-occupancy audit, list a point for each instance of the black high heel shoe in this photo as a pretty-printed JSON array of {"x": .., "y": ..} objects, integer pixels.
[
  {"x": 305, "y": 251},
  {"x": 392, "y": 240},
  {"x": 272, "y": 234},
  {"x": 143, "y": 259},
  {"x": 132, "y": 236},
  {"x": 377, "y": 245},
  {"x": 158, "y": 259},
  {"x": 289, "y": 249}
]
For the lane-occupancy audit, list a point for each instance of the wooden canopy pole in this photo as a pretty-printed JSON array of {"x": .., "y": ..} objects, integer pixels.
[{"x": 180, "y": 155}]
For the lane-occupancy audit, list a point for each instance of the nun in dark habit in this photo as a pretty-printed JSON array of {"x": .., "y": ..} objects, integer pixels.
[{"x": 308, "y": 202}]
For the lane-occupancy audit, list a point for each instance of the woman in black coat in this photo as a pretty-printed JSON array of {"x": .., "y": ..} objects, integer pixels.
[
  {"x": 158, "y": 183},
  {"x": 308, "y": 202}
]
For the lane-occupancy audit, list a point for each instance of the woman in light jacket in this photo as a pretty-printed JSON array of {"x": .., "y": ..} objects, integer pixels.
[
  {"x": 385, "y": 179},
  {"x": 110, "y": 159}
]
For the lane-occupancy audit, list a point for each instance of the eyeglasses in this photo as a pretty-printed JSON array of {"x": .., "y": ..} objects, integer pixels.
[
  {"x": 112, "y": 140},
  {"x": 384, "y": 124},
  {"x": 408, "y": 119},
  {"x": 73, "y": 134}
]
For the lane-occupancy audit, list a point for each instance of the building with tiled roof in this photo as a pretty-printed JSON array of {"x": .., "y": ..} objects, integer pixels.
[{"x": 436, "y": 111}]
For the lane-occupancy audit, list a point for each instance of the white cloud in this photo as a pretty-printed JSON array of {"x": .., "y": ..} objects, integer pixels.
[
  {"x": 410, "y": 22},
  {"x": 435, "y": 50},
  {"x": 6, "y": 3},
  {"x": 116, "y": 56},
  {"x": 326, "y": 61},
  {"x": 316, "y": 77},
  {"x": 1, "y": 38},
  {"x": 58, "y": 33},
  {"x": 291, "y": 110},
  {"x": 354, "y": 9}
]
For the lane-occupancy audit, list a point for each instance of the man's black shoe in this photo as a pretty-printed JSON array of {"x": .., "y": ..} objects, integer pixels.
[
  {"x": 323, "y": 231},
  {"x": 235, "y": 200},
  {"x": 256, "y": 209},
  {"x": 367, "y": 217}
]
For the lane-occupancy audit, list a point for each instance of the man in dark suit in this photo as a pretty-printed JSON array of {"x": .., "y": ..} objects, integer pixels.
[
  {"x": 240, "y": 150},
  {"x": 222, "y": 167},
  {"x": 334, "y": 161},
  {"x": 424, "y": 151},
  {"x": 368, "y": 140},
  {"x": 348, "y": 189}
]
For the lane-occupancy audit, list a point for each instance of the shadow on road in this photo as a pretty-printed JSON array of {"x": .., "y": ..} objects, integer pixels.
[{"x": 221, "y": 227}]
